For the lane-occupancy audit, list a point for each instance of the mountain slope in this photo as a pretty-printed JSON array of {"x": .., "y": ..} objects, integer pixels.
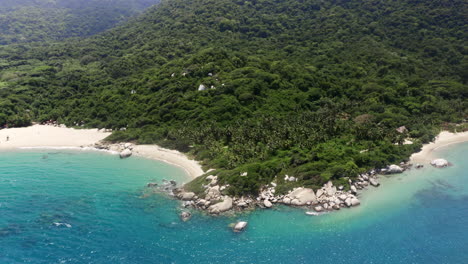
[
  {"x": 24, "y": 21},
  {"x": 312, "y": 89}
]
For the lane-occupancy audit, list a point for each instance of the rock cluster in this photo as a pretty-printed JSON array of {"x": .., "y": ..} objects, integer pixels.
[{"x": 328, "y": 198}]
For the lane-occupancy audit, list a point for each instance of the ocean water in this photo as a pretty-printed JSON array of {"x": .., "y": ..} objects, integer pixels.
[{"x": 59, "y": 206}]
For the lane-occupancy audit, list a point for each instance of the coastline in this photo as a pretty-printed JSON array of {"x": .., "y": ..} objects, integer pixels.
[
  {"x": 445, "y": 138},
  {"x": 59, "y": 137}
]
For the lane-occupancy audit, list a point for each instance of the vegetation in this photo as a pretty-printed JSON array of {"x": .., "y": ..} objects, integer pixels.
[
  {"x": 313, "y": 89},
  {"x": 50, "y": 20}
]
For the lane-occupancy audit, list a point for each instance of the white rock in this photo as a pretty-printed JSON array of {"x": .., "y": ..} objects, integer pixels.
[
  {"x": 355, "y": 201},
  {"x": 394, "y": 169},
  {"x": 125, "y": 153},
  {"x": 348, "y": 202},
  {"x": 187, "y": 196},
  {"x": 128, "y": 145},
  {"x": 201, "y": 87},
  {"x": 210, "y": 177},
  {"x": 287, "y": 200},
  {"x": 439, "y": 163},
  {"x": 223, "y": 206},
  {"x": 303, "y": 195},
  {"x": 373, "y": 182},
  {"x": 318, "y": 208},
  {"x": 240, "y": 226},
  {"x": 319, "y": 193},
  {"x": 343, "y": 197},
  {"x": 331, "y": 191},
  {"x": 267, "y": 204},
  {"x": 353, "y": 189},
  {"x": 244, "y": 174}
]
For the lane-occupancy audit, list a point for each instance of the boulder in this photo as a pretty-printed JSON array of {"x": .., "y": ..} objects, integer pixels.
[
  {"x": 439, "y": 163},
  {"x": 213, "y": 192},
  {"x": 201, "y": 87},
  {"x": 287, "y": 200},
  {"x": 223, "y": 206},
  {"x": 319, "y": 193},
  {"x": 125, "y": 153},
  {"x": 394, "y": 169},
  {"x": 348, "y": 202},
  {"x": 267, "y": 204},
  {"x": 240, "y": 226},
  {"x": 128, "y": 145},
  {"x": 318, "y": 208},
  {"x": 355, "y": 202},
  {"x": 187, "y": 196},
  {"x": 331, "y": 191},
  {"x": 303, "y": 196},
  {"x": 353, "y": 189},
  {"x": 185, "y": 216},
  {"x": 343, "y": 197},
  {"x": 373, "y": 182}
]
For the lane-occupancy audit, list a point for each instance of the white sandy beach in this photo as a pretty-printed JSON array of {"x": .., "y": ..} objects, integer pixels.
[
  {"x": 443, "y": 139},
  {"x": 43, "y": 136},
  {"x": 48, "y": 136},
  {"x": 191, "y": 167}
]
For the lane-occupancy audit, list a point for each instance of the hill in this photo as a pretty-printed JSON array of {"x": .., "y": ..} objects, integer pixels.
[
  {"x": 313, "y": 89},
  {"x": 24, "y": 21}
]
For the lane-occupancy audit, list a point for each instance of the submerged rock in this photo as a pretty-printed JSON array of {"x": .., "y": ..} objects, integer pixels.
[
  {"x": 185, "y": 216},
  {"x": 240, "y": 226},
  {"x": 439, "y": 163}
]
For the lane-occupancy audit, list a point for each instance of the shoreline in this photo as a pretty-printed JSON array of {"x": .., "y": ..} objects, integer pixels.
[
  {"x": 60, "y": 137},
  {"x": 445, "y": 138}
]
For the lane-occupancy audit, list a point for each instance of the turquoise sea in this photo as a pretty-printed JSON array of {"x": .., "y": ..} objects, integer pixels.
[{"x": 63, "y": 206}]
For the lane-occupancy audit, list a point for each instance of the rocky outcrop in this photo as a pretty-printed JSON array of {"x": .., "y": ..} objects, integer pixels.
[{"x": 439, "y": 163}]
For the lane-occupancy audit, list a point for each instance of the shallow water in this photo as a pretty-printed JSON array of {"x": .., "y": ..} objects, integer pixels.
[{"x": 416, "y": 217}]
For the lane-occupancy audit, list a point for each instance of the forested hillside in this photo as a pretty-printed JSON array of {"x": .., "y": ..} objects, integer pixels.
[
  {"x": 50, "y": 20},
  {"x": 313, "y": 89}
]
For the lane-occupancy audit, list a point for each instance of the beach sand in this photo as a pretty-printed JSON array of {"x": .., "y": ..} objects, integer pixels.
[
  {"x": 44, "y": 136},
  {"x": 191, "y": 167},
  {"x": 48, "y": 136},
  {"x": 427, "y": 153}
]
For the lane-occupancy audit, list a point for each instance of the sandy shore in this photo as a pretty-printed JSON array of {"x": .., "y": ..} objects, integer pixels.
[
  {"x": 48, "y": 136},
  {"x": 191, "y": 167},
  {"x": 426, "y": 155},
  {"x": 42, "y": 136}
]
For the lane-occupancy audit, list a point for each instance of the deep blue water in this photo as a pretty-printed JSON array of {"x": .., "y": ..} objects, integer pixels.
[{"x": 417, "y": 217}]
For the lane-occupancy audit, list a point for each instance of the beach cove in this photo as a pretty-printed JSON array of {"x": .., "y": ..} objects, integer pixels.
[{"x": 113, "y": 219}]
